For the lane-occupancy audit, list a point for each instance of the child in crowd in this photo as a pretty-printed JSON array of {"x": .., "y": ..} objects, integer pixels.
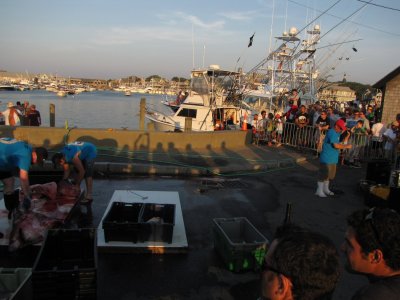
[
  {"x": 359, "y": 135},
  {"x": 278, "y": 129},
  {"x": 270, "y": 128}
]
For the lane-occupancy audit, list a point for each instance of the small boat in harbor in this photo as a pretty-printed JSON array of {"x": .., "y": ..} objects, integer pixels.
[
  {"x": 213, "y": 103},
  {"x": 7, "y": 87},
  {"x": 62, "y": 93}
]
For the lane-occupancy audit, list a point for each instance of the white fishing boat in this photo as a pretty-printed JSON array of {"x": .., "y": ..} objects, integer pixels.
[{"x": 214, "y": 102}]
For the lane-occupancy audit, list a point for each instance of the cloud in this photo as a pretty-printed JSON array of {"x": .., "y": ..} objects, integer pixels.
[
  {"x": 131, "y": 35},
  {"x": 175, "y": 31},
  {"x": 240, "y": 15},
  {"x": 198, "y": 22}
]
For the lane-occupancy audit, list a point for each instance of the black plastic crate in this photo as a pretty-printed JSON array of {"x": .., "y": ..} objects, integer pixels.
[
  {"x": 122, "y": 222},
  {"x": 241, "y": 246},
  {"x": 157, "y": 223},
  {"x": 66, "y": 267},
  {"x": 15, "y": 283}
]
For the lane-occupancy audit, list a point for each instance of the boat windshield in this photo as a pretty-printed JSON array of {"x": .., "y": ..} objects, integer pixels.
[
  {"x": 199, "y": 85},
  {"x": 204, "y": 84}
]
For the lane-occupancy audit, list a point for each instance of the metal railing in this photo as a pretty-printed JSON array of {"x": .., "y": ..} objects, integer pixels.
[{"x": 365, "y": 147}]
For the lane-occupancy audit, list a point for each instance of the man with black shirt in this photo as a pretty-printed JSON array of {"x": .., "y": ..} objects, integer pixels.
[{"x": 302, "y": 119}]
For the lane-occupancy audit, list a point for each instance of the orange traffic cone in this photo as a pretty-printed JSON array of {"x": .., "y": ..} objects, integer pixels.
[{"x": 244, "y": 123}]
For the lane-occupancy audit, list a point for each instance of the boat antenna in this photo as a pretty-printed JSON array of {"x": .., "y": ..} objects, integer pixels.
[
  {"x": 272, "y": 24},
  {"x": 192, "y": 46},
  {"x": 204, "y": 54},
  {"x": 286, "y": 15}
]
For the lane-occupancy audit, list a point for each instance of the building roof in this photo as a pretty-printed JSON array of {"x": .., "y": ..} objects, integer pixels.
[{"x": 381, "y": 83}]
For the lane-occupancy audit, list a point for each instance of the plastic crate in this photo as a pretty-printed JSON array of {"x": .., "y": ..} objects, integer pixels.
[
  {"x": 241, "y": 246},
  {"x": 157, "y": 222},
  {"x": 66, "y": 267},
  {"x": 122, "y": 222},
  {"x": 14, "y": 283}
]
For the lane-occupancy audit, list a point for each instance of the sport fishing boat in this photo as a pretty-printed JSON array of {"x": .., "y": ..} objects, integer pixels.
[
  {"x": 214, "y": 102},
  {"x": 290, "y": 65}
]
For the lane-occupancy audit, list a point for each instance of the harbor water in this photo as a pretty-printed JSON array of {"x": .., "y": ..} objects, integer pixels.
[{"x": 99, "y": 109}]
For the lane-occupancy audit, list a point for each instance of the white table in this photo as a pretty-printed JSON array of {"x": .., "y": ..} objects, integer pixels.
[{"x": 179, "y": 241}]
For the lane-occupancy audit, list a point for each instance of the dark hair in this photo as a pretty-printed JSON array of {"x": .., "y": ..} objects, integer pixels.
[
  {"x": 56, "y": 158},
  {"x": 309, "y": 259},
  {"x": 41, "y": 154},
  {"x": 378, "y": 228}
]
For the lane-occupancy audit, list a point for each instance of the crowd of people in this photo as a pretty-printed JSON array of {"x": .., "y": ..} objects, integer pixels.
[
  {"x": 305, "y": 126},
  {"x": 20, "y": 115}
]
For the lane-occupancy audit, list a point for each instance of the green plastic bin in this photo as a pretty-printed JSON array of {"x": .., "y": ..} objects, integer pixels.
[{"x": 241, "y": 246}]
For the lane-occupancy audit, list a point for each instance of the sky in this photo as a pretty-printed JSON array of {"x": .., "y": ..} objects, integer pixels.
[{"x": 120, "y": 38}]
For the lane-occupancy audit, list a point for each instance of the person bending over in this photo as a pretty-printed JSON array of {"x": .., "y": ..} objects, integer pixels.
[
  {"x": 16, "y": 157},
  {"x": 81, "y": 156}
]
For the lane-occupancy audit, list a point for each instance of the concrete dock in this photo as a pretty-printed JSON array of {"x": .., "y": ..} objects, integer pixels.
[{"x": 252, "y": 182}]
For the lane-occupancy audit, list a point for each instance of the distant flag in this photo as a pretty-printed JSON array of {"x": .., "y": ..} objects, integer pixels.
[{"x": 251, "y": 40}]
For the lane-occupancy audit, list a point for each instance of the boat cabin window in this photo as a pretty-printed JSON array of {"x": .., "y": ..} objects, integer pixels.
[
  {"x": 199, "y": 85},
  {"x": 187, "y": 113}
]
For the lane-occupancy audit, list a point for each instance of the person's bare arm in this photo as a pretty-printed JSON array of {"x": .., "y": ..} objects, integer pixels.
[
  {"x": 79, "y": 167},
  {"x": 24, "y": 180}
]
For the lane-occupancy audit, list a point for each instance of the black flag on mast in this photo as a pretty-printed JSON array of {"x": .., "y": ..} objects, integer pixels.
[{"x": 251, "y": 40}]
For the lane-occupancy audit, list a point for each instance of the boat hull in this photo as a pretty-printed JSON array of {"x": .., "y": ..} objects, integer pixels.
[{"x": 159, "y": 124}]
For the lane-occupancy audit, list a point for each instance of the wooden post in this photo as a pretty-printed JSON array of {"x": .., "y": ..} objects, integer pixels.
[
  {"x": 52, "y": 115},
  {"x": 188, "y": 124},
  {"x": 142, "y": 113}
]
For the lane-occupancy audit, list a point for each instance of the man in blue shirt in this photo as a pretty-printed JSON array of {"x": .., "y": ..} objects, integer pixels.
[
  {"x": 81, "y": 156},
  {"x": 17, "y": 156},
  {"x": 330, "y": 156}
]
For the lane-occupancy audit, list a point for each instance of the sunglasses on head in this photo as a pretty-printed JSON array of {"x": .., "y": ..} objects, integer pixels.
[
  {"x": 370, "y": 218},
  {"x": 268, "y": 267}
]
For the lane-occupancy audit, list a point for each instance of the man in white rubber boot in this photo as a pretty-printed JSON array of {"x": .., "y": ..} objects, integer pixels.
[{"x": 330, "y": 156}]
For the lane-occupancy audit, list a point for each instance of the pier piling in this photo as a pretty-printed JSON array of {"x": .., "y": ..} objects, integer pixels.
[
  {"x": 52, "y": 109},
  {"x": 142, "y": 113}
]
